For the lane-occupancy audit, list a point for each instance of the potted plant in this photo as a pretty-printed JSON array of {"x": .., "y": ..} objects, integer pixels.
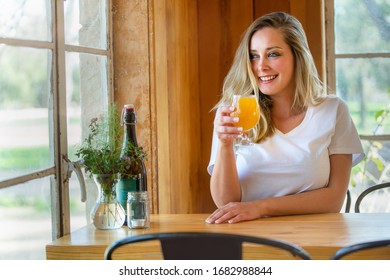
[{"x": 100, "y": 155}]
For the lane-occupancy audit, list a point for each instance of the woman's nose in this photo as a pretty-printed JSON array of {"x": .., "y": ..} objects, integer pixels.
[{"x": 262, "y": 64}]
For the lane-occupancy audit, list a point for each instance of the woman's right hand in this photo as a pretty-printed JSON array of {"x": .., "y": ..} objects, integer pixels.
[{"x": 224, "y": 125}]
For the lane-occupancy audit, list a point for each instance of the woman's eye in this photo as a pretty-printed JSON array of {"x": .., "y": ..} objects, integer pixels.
[
  {"x": 253, "y": 56},
  {"x": 273, "y": 54}
]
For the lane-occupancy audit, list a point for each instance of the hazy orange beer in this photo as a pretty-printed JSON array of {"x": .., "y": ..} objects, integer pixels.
[{"x": 247, "y": 110}]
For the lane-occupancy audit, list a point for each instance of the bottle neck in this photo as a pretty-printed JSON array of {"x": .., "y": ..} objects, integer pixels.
[
  {"x": 129, "y": 121},
  {"x": 130, "y": 134}
]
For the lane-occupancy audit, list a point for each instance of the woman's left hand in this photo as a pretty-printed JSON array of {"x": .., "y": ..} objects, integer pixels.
[{"x": 235, "y": 212}]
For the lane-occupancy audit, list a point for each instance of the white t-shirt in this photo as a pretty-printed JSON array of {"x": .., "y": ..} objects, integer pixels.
[{"x": 298, "y": 160}]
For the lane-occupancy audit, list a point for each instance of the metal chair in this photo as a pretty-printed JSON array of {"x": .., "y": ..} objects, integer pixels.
[
  {"x": 373, "y": 170},
  {"x": 204, "y": 245},
  {"x": 368, "y": 191},
  {"x": 360, "y": 247},
  {"x": 348, "y": 202}
]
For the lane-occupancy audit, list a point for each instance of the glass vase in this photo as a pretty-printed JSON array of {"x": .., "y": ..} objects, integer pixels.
[{"x": 107, "y": 213}]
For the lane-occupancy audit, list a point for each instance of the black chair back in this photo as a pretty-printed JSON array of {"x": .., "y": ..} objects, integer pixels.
[
  {"x": 369, "y": 190},
  {"x": 205, "y": 245},
  {"x": 348, "y": 201},
  {"x": 360, "y": 247}
]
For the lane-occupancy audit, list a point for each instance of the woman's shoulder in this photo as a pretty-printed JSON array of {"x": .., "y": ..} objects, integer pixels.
[
  {"x": 333, "y": 101},
  {"x": 331, "y": 107},
  {"x": 332, "y": 98}
]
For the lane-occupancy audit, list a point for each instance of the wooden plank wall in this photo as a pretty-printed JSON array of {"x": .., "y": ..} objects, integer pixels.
[
  {"x": 177, "y": 100},
  {"x": 170, "y": 59},
  {"x": 221, "y": 24}
]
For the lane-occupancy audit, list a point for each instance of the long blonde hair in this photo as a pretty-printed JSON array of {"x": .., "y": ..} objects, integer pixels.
[{"x": 241, "y": 80}]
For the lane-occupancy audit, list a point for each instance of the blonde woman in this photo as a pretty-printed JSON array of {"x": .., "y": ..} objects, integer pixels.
[{"x": 305, "y": 142}]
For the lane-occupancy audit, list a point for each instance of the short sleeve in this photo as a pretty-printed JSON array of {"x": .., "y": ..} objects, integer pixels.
[
  {"x": 345, "y": 139},
  {"x": 214, "y": 146}
]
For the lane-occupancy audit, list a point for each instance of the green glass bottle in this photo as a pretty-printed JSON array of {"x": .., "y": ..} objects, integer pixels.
[{"x": 135, "y": 178}]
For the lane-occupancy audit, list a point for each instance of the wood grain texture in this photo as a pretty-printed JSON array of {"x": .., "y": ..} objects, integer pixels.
[
  {"x": 319, "y": 234},
  {"x": 177, "y": 104},
  {"x": 221, "y": 25}
]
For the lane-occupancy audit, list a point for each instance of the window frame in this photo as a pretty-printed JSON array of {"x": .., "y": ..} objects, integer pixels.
[
  {"x": 62, "y": 167},
  {"x": 331, "y": 55}
]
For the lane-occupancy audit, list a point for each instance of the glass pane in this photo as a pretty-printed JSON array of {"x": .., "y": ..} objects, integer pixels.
[
  {"x": 25, "y": 221},
  {"x": 364, "y": 84},
  {"x": 373, "y": 170},
  {"x": 86, "y": 23},
  {"x": 24, "y": 95},
  {"x": 79, "y": 216},
  {"x": 363, "y": 28},
  {"x": 26, "y": 19},
  {"x": 87, "y": 98},
  {"x": 87, "y": 94}
]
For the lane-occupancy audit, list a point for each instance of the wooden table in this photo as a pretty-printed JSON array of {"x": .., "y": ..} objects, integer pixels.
[{"x": 319, "y": 234}]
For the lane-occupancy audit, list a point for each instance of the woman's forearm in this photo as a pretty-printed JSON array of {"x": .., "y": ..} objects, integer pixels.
[
  {"x": 224, "y": 183},
  {"x": 322, "y": 200}
]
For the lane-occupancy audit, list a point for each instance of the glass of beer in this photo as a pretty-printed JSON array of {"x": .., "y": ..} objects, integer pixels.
[{"x": 247, "y": 110}]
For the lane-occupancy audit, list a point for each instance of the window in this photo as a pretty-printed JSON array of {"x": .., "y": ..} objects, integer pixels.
[
  {"x": 55, "y": 76},
  {"x": 359, "y": 58},
  {"x": 358, "y": 67}
]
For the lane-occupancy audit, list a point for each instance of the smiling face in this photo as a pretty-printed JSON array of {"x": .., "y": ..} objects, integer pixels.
[{"x": 272, "y": 63}]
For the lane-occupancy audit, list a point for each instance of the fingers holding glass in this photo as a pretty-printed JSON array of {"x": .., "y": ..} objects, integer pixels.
[{"x": 225, "y": 124}]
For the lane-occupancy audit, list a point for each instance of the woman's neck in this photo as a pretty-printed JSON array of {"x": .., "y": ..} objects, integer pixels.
[{"x": 283, "y": 117}]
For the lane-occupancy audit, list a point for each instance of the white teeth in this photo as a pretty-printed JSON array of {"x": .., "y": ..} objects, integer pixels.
[{"x": 267, "y": 78}]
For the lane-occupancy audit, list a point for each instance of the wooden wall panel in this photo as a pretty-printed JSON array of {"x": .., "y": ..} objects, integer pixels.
[
  {"x": 177, "y": 104},
  {"x": 311, "y": 14},
  {"x": 161, "y": 94},
  {"x": 221, "y": 25},
  {"x": 263, "y": 7}
]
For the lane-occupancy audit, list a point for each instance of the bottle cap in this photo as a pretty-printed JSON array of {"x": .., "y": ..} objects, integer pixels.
[
  {"x": 131, "y": 119},
  {"x": 129, "y": 107}
]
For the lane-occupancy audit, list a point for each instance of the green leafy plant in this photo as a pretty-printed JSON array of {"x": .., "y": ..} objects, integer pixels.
[{"x": 100, "y": 153}]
